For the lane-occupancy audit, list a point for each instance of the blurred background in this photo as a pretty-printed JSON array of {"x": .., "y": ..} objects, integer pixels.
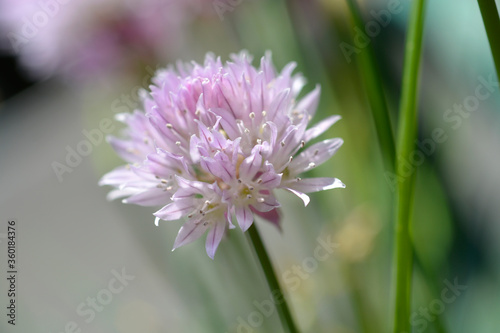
[{"x": 68, "y": 65}]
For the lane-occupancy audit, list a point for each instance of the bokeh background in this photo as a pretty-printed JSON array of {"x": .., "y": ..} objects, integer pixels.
[{"x": 81, "y": 62}]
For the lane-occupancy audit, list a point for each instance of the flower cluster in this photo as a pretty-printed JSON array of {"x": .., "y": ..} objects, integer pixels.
[
  {"x": 88, "y": 37},
  {"x": 215, "y": 141}
]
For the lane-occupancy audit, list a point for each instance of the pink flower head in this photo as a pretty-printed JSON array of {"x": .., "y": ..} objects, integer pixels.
[
  {"x": 217, "y": 140},
  {"x": 83, "y": 37}
]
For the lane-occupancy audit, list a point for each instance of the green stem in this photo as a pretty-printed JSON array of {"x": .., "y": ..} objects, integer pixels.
[
  {"x": 371, "y": 78},
  {"x": 407, "y": 135},
  {"x": 280, "y": 300},
  {"x": 491, "y": 21}
]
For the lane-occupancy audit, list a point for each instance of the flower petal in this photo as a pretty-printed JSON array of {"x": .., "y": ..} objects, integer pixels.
[
  {"x": 127, "y": 150},
  {"x": 305, "y": 198},
  {"x": 314, "y": 156},
  {"x": 244, "y": 217},
  {"x": 270, "y": 179},
  {"x": 273, "y": 216},
  {"x": 165, "y": 164},
  {"x": 251, "y": 165},
  {"x": 320, "y": 128},
  {"x": 310, "y": 102},
  {"x": 219, "y": 166},
  {"x": 151, "y": 197},
  {"x": 189, "y": 232},
  {"x": 214, "y": 237},
  {"x": 176, "y": 210},
  {"x": 269, "y": 203},
  {"x": 309, "y": 185},
  {"x": 120, "y": 193},
  {"x": 117, "y": 177},
  {"x": 228, "y": 122}
]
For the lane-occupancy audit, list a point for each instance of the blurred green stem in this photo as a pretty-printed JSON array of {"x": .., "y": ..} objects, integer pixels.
[
  {"x": 372, "y": 81},
  {"x": 279, "y": 298},
  {"x": 491, "y": 21},
  {"x": 406, "y": 176}
]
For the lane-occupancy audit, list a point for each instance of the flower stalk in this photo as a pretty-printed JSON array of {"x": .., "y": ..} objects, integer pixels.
[
  {"x": 265, "y": 262},
  {"x": 491, "y": 20},
  {"x": 407, "y": 135},
  {"x": 372, "y": 81}
]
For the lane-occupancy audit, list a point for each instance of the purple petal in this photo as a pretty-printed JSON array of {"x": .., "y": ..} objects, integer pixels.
[
  {"x": 270, "y": 179},
  {"x": 220, "y": 141},
  {"x": 267, "y": 205},
  {"x": 292, "y": 138},
  {"x": 218, "y": 166},
  {"x": 117, "y": 177},
  {"x": 120, "y": 193},
  {"x": 270, "y": 133},
  {"x": 278, "y": 105},
  {"x": 193, "y": 148},
  {"x": 165, "y": 164},
  {"x": 189, "y": 232},
  {"x": 244, "y": 217},
  {"x": 152, "y": 197},
  {"x": 314, "y": 156},
  {"x": 309, "y": 185},
  {"x": 204, "y": 133},
  {"x": 176, "y": 210},
  {"x": 320, "y": 128},
  {"x": 310, "y": 101},
  {"x": 126, "y": 150},
  {"x": 251, "y": 165},
  {"x": 273, "y": 216},
  {"x": 214, "y": 237},
  {"x": 193, "y": 185}
]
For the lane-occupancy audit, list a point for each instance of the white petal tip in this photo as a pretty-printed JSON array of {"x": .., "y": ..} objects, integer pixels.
[
  {"x": 336, "y": 184},
  {"x": 157, "y": 222}
]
